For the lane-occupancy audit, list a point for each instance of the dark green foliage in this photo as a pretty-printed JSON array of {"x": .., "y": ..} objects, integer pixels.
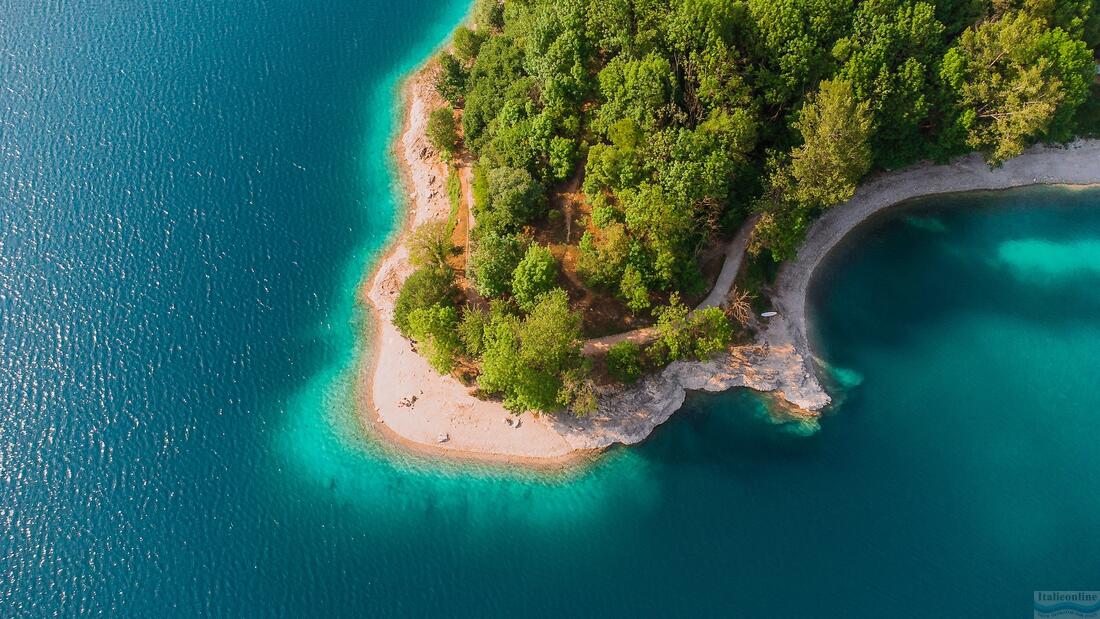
[
  {"x": 514, "y": 198},
  {"x": 450, "y": 81},
  {"x": 442, "y": 131},
  {"x": 493, "y": 261},
  {"x": 425, "y": 288},
  {"x": 624, "y": 362},
  {"x": 890, "y": 60}
]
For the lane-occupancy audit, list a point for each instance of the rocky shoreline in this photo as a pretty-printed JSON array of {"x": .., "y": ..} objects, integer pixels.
[{"x": 447, "y": 420}]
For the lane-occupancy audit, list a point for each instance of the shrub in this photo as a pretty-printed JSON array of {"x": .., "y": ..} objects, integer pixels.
[
  {"x": 624, "y": 362},
  {"x": 528, "y": 361}
]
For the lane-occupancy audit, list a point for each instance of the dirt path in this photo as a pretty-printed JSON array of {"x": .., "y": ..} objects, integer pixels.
[{"x": 735, "y": 254}]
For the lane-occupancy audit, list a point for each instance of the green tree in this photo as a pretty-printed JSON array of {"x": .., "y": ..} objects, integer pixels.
[
  {"x": 424, "y": 288},
  {"x": 467, "y": 44},
  {"x": 563, "y": 156},
  {"x": 526, "y": 361},
  {"x": 633, "y": 290},
  {"x": 624, "y": 362},
  {"x": 536, "y": 274},
  {"x": 430, "y": 244},
  {"x": 711, "y": 331},
  {"x": 443, "y": 132},
  {"x": 674, "y": 340},
  {"x": 835, "y": 153},
  {"x": 1015, "y": 81},
  {"x": 890, "y": 58},
  {"x": 450, "y": 79},
  {"x": 492, "y": 261},
  {"x": 471, "y": 331},
  {"x": 435, "y": 329},
  {"x": 514, "y": 199}
]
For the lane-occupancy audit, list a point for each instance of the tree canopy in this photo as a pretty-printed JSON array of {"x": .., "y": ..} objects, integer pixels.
[{"x": 659, "y": 127}]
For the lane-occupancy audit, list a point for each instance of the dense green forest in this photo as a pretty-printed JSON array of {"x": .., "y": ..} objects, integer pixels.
[{"x": 678, "y": 120}]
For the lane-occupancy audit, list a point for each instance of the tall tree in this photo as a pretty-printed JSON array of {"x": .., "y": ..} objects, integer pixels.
[
  {"x": 1015, "y": 80},
  {"x": 835, "y": 151}
]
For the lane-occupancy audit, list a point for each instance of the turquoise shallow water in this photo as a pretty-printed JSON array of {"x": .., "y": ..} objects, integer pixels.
[{"x": 188, "y": 197}]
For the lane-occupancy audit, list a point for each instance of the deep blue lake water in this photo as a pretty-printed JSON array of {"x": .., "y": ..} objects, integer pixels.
[{"x": 189, "y": 195}]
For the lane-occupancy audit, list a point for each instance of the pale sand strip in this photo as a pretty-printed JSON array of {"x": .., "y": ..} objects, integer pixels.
[{"x": 476, "y": 429}]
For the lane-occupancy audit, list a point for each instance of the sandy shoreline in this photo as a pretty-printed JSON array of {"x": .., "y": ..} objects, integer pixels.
[
  {"x": 780, "y": 361},
  {"x": 475, "y": 428}
]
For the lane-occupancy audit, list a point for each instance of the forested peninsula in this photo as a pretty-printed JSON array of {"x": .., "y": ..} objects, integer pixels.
[{"x": 617, "y": 184}]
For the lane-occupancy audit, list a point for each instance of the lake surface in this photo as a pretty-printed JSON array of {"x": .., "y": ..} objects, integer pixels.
[{"x": 189, "y": 196}]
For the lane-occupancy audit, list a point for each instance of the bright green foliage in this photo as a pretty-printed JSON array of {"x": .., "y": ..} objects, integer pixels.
[
  {"x": 1015, "y": 81},
  {"x": 426, "y": 287},
  {"x": 633, "y": 290},
  {"x": 435, "y": 330},
  {"x": 442, "y": 131},
  {"x": 494, "y": 79},
  {"x": 471, "y": 331},
  {"x": 792, "y": 44},
  {"x": 635, "y": 90},
  {"x": 430, "y": 244},
  {"x": 673, "y": 331},
  {"x": 682, "y": 334},
  {"x": 468, "y": 43},
  {"x": 492, "y": 262},
  {"x": 624, "y": 362},
  {"x": 450, "y": 81},
  {"x": 563, "y": 157},
  {"x": 712, "y": 332},
  {"x": 890, "y": 60},
  {"x": 489, "y": 15},
  {"x": 835, "y": 153},
  {"x": 526, "y": 360},
  {"x": 536, "y": 274}
]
